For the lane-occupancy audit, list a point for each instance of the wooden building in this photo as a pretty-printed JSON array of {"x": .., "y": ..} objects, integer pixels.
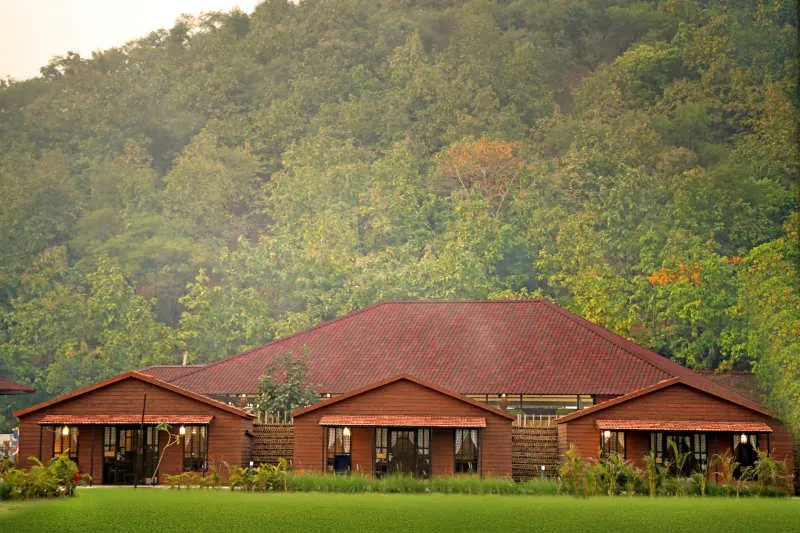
[
  {"x": 403, "y": 425},
  {"x": 677, "y": 414},
  {"x": 111, "y": 430}
]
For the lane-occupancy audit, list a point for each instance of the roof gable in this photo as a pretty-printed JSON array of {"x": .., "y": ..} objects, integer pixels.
[
  {"x": 715, "y": 391},
  {"x": 395, "y": 379},
  {"x": 528, "y": 346},
  {"x": 136, "y": 376}
]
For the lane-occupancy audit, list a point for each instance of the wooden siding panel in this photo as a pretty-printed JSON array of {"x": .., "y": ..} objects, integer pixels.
[
  {"x": 677, "y": 402},
  {"x": 410, "y": 399},
  {"x": 225, "y": 433}
]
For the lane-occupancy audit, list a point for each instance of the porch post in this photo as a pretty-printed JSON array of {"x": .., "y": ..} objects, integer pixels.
[{"x": 91, "y": 459}]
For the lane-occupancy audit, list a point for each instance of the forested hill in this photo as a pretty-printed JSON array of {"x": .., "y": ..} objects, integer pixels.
[{"x": 237, "y": 178}]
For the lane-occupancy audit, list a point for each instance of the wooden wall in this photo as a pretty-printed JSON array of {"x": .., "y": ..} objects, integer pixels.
[
  {"x": 677, "y": 402},
  {"x": 405, "y": 398},
  {"x": 227, "y": 443}
]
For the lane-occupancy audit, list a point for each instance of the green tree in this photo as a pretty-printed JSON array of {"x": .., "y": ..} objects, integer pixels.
[{"x": 284, "y": 386}]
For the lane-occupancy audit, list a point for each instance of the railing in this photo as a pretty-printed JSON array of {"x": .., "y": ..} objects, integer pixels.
[
  {"x": 281, "y": 419},
  {"x": 534, "y": 421}
]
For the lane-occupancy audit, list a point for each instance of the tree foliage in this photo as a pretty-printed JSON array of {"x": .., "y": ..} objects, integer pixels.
[{"x": 236, "y": 178}]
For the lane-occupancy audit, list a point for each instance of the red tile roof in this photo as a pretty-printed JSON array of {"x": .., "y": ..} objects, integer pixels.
[
  {"x": 683, "y": 425},
  {"x": 402, "y": 377},
  {"x": 103, "y": 420},
  {"x": 169, "y": 372},
  {"x": 132, "y": 374},
  {"x": 530, "y": 346},
  {"x": 404, "y": 421},
  {"x": 9, "y": 387}
]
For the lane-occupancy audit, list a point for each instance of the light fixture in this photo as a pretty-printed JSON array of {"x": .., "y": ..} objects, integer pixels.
[
  {"x": 743, "y": 439},
  {"x": 65, "y": 430},
  {"x": 346, "y": 432},
  {"x": 607, "y": 434},
  {"x": 182, "y": 430},
  {"x": 542, "y": 468},
  {"x": 503, "y": 395}
]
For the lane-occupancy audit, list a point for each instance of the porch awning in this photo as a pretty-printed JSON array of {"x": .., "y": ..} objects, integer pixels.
[
  {"x": 111, "y": 420},
  {"x": 684, "y": 425},
  {"x": 403, "y": 421}
]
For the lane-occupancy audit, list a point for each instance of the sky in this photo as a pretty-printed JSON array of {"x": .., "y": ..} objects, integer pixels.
[{"x": 34, "y": 31}]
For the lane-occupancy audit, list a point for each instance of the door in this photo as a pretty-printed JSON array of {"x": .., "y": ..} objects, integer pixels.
[{"x": 122, "y": 456}]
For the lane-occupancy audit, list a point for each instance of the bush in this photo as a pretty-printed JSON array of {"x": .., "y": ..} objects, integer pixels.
[{"x": 39, "y": 481}]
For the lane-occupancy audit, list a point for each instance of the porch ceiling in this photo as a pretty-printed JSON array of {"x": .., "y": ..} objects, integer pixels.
[
  {"x": 683, "y": 425},
  {"x": 404, "y": 421},
  {"x": 110, "y": 420}
]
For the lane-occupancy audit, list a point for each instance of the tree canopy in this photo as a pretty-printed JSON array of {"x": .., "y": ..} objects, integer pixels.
[{"x": 237, "y": 178}]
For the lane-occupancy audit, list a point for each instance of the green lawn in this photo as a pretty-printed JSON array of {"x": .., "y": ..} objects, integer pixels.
[{"x": 156, "y": 510}]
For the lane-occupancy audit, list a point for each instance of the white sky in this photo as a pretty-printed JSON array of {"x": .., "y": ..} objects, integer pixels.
[{"x": 33, "y": 31}]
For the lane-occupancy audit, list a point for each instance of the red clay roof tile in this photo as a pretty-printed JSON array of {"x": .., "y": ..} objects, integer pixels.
[
  {"x": 10, "y": 387},
  {"x": 529, "y": 346},
  {"x": 404, "y": 421},
  {"x": 683, "y": 425},
  {"x": 123, "y": 419}
]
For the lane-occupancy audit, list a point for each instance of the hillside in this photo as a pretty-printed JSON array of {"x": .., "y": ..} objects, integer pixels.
[{"x": 238, "y": 178}]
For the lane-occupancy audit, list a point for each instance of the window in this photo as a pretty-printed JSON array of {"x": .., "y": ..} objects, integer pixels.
[
  {"x": 691, "y": 448},
  {"x": 466, "y": 450},
  {"x": 338, "y": 450},
  {"x": 381, "y": 451},
  {"x": 612, "y": 443},
  {"x": 65, "y": 441},
  {"x": 195, "y": 448},
  {"x": 745, "y": 451}
]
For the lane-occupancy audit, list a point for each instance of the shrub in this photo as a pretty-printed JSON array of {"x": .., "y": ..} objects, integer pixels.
[
  {"x": 271, "y": 477},
  {"x": 576, "y": 475},
  {"x": 769, "y": 473}
]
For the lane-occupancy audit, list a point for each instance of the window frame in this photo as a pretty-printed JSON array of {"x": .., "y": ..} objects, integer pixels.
[
  {"x": 612, "y": 444},
  {"x": 195, "y": 449},
  {"x": 698, "y": 452},
  {"x": 463, "y": 463},
  {"x": 334, "y": 450},
  {"x": 60, "y": 440}
]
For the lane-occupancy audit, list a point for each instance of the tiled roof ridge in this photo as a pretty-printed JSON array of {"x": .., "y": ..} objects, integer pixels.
[{"x": 344, "y": 317}]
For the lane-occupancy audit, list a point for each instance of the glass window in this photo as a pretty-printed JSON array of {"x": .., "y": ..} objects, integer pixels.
[
  {"x": 195, "y": 448},
  {"x": 683, "y": 452},
  {"x": 612, "y": 443},
  {"x": 338, "y": 450},
  {"x": 745, "y": 451},
  {"x": 65, "y": 441},
  {"x": 381, "y": 451},
  {"x": 466, "y": 451}
]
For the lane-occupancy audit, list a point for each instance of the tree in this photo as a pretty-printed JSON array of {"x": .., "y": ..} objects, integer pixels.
[{"x": 284, "y": 385}]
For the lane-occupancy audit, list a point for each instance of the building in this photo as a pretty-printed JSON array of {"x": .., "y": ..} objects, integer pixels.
[
  {"x": 440, "y": 381},
  {"x": 111, "y": 430}
]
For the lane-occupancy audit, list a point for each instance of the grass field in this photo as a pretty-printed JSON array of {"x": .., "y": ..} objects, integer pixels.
[{"x": 156, "y": 510}]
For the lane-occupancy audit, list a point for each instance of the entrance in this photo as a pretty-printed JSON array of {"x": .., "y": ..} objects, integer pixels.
[
  {"x": 121, "y": 454},
  {"x": 403, "y": 451}
]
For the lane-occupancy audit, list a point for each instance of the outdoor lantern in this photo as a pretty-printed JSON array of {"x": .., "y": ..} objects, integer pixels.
[
  {"x": 65, "y": 430},
  {"x": 346, "y": 432},
  {"x": 182, "y": 430},
  {"x": 607, "y": 434},
  {"x": 743, "y": 439}
]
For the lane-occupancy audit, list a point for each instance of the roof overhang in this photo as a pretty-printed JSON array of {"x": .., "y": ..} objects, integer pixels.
[
  {"x": 111, "y": 420},
  {"x": 404, "y": 421},
  {"x": 683, "y": 425}
]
